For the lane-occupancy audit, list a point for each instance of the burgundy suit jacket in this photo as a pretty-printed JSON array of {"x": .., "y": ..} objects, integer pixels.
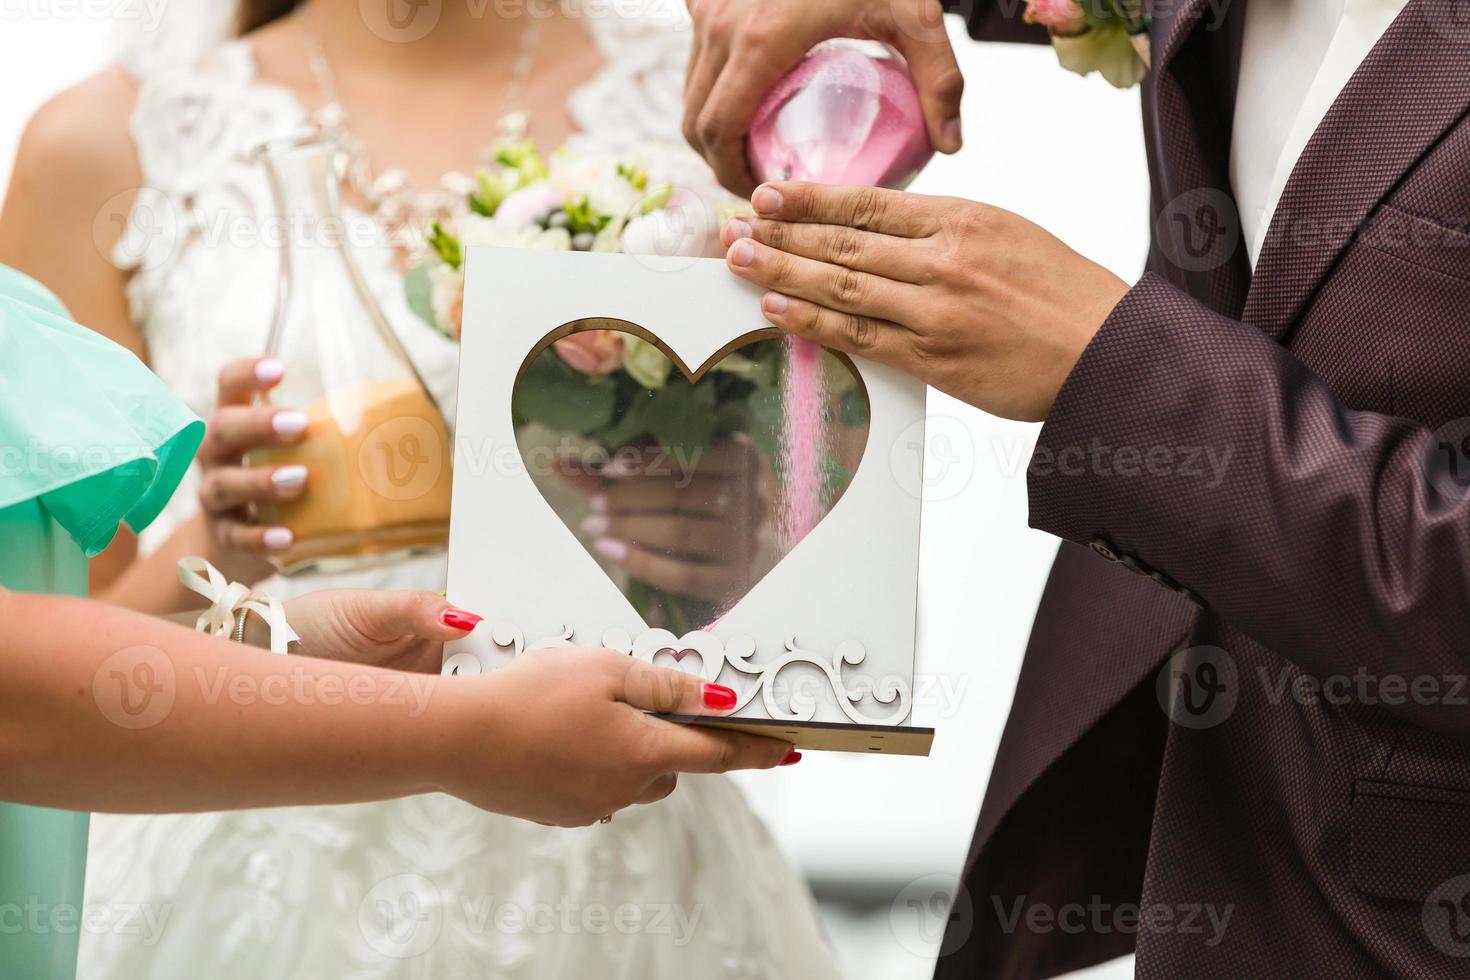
[{"x": 1241, "y": 737}]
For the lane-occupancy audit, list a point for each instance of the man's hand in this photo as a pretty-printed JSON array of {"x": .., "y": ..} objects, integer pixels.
[
  {"x": 741, "y": 47},
  {"x": 976, "y": 301}
]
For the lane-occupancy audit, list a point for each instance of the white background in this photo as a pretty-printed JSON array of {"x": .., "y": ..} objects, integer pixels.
[{"x": 862, "y": 827}]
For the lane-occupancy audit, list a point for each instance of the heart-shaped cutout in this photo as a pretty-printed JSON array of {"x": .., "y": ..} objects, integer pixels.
[{"x": 687, "y": 486}]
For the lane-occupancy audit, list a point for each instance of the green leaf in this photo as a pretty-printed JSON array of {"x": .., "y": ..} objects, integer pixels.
[
  {"x": 564, "y": 400},
  {"x": 634, "y": 175},
  {"x": 489, "y": 193},
  {"x": 852, "y": 410},
  {"x": 446, "y": 246},
  {"x": 681, "y": 416},
  {"x": 656, "y": 198},
  {"x": 581, "y": 216},
  {"x": 417, "y": 290}
]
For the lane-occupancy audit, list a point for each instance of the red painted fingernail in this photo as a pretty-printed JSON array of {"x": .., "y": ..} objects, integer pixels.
[
  {"x": 792, "y": 758},
  {"x": 461, "y": 620},
  {"x": 719, "y": 697}
]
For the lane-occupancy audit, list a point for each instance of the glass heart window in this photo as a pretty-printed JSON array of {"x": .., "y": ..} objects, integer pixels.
[{"x": 687, "y": 485}]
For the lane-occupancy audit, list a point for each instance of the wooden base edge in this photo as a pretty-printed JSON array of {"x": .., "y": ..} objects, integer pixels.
[{"x": 825, "y": 736}]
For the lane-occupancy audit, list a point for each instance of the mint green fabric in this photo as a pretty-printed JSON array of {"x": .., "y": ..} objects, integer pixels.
[{"x": 88, "y": 438}]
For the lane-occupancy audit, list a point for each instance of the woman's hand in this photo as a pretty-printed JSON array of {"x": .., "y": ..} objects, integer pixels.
[
  {"x": 573, "y": 741},
  {"x": 686, "y": 527},
  {"x": 978, "y": 302},
  {"x": 742, "y": 47},
  {"x": 229, "y": 488},
  {"x": 403, "y": 630}
]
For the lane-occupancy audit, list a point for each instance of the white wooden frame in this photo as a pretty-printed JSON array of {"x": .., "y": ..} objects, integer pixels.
[{"x": 842, "y": 602}]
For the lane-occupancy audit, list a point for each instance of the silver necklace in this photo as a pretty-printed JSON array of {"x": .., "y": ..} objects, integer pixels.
[{"x": 407, "y": 212}]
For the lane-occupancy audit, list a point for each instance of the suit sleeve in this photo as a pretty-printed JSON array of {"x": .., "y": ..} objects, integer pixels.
[
  {"x": 997, "y": 20},
  {"x": 1190, "y": 445}
]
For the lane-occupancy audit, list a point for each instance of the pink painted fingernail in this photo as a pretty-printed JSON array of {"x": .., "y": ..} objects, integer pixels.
[
  {"x": 598, "y": 503},
  {"x": 766, "y": 199},
  {"x": 268, "y": 370},
  {"x": 775, "y": 303},
  {"x": 277, "y": 538},
  {"x": 611, "y": 548},
  {"x": 742, "y": 253},
  {"x": 739, "y": 228},
  {"x": 595, "y": 525},
  {"x": 460, "y": 619},
  {"x": 289, "y": 423},
  {"x": 288, "y": 478}
]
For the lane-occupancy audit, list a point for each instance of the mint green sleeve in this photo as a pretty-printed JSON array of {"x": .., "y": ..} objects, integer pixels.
[{"x": 85, "y": 427}]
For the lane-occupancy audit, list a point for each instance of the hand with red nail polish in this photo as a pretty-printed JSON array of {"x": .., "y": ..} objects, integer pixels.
[
  {"x": 569, "y": 750},
  {"x": 402, "y": 630}
]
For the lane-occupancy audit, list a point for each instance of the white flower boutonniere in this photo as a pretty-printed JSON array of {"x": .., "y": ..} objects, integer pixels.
[{"x": 1105, "y": 36}]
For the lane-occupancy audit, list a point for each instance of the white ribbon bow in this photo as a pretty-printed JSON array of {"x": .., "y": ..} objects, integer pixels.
[{"x": 226, "y": 599}]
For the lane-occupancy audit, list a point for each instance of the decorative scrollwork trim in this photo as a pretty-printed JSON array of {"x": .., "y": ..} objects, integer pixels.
[{"x": 737, "y": 653}]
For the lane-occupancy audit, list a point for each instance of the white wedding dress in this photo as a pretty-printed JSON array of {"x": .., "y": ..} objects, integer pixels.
[{"x": 428, "y": 887}]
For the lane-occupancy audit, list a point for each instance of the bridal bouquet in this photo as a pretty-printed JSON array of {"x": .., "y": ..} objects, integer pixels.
[{"x": 609, "y": 389}]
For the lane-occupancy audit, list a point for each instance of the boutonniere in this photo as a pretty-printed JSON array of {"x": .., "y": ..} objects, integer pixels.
[{"x": 1105, "y": 36}]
